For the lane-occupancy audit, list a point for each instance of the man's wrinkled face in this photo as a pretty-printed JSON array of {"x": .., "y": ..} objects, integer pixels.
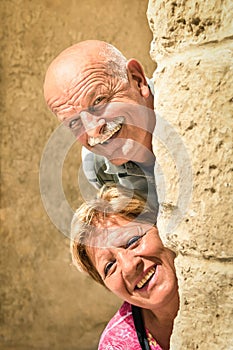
[{"x": 107, "y": 114}]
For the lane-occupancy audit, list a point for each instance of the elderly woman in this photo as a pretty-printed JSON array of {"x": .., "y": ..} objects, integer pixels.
[{"x": 115, "y": 240}]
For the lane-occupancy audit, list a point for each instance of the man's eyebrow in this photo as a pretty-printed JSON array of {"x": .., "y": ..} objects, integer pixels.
[
  {"x": 98, "y": 90},
  {"x": 92, "y": 94},
  {"x": 64, "y": 118}
]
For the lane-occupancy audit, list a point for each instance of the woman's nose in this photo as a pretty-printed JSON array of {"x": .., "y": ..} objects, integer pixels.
[
  {"x": 92, "y": 123},
  {"x": 129, "y": 262}
]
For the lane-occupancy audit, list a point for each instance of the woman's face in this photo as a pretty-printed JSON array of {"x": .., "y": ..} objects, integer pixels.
[{"x": 133, "y": 263}]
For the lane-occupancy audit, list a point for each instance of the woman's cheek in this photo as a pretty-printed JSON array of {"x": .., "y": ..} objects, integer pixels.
[{"x": 116, "y": 287}]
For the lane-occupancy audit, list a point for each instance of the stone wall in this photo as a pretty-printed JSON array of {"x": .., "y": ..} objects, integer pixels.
[
  {"x": 45, "y": 302},
  {"x": 192, "y": 46}
]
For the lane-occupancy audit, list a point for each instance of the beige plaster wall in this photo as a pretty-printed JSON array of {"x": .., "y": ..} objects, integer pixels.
[
  {"x": 46, "y": 303},
  {"x": 192, "y": 45}
]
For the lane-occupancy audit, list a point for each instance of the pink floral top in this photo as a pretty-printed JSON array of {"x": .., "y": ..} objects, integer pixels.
[{"x": 120, "y": 333}]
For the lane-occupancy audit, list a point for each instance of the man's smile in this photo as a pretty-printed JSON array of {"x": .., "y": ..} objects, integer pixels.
[{"x": 107, "y": 132}]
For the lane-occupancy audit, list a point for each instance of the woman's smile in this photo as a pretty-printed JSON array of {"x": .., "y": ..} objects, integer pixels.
[
  {"x": 148, "y": 276},
  {"x": 134, "y": 264}
]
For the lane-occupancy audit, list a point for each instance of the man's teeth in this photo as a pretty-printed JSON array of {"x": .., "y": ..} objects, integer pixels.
[
  {"x": 104, "y": 137},
  {"x": 110, "y": 133},
  {"x": 146, "y": 278},
  {"x": 109, "y": 130}
]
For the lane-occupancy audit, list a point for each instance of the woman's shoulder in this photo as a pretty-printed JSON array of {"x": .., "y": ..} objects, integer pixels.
[{"x": 120, "y": 333}]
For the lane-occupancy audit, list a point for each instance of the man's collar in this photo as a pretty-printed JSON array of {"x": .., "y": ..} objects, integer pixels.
[
  {"x": 113, "y": 169},
  {"x": 150, "y": 83},
  {"x": 129, "y": 168}
]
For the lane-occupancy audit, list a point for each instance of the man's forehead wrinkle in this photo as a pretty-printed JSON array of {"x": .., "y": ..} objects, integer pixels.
[
  {"x": 77, "y": 98},
  {"x": 66, "y": 91},
  {"x": 92, "y": 82},
  {"x": 56, "y": 83},
  {"x": 78, "y": 55},
  {"x": 77, "y": 59},
  {"x": 74, "y": 71},
  {"x": 58, "y": 101}
]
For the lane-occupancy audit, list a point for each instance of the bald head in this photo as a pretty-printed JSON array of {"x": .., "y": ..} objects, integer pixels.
[
  {"x": 66, "y": 68},
  {"x": 100, "y": 96}
]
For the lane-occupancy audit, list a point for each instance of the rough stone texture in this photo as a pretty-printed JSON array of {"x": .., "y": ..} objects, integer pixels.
[
  {"x": 182, "y": 24},
  {"x": 192, "y": 46},
  {"x": 45, "y": 302},
  {"x": 205, "y": 318}
]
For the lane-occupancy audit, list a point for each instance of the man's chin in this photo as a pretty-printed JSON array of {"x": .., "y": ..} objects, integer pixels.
[{"x": 118, "y": 161}]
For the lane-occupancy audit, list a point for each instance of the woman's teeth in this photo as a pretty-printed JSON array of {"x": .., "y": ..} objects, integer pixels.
[{"x": 145, "y": 279}]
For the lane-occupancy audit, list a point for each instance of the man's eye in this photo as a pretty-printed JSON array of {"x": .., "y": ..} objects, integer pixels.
[
  {"x": 74, "y": 123},
  {"x": 96, "y": 105},
  {"x": 133, "y": 240},
  {"x": 108, "y": 267},
  {"x": 98, "y": 100}
]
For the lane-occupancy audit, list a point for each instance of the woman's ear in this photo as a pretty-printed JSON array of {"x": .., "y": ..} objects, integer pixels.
[{"x": 136, "y": 75}]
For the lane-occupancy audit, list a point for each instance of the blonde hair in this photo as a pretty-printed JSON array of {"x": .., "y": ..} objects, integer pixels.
[{"x": 111, "y": 201}]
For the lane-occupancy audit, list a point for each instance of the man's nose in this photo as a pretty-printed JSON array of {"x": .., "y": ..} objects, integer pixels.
[
  {"x": 92, "y": 124},
  {"x": 130, "y": 262}
]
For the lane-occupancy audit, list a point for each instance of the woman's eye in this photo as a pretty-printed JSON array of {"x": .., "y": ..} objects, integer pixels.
[
  {"x": 133, "y": 240},
  {"x": 108, "y": 267}
]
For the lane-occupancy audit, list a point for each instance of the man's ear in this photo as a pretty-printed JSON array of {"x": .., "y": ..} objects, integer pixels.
[{"x": 136, "y": 74}]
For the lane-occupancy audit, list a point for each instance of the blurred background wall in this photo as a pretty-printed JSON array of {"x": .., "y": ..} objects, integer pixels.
[{"x": 45, "y": 302}]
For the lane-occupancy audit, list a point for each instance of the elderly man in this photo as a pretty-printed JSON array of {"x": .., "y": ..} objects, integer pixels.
[{"x": 108, "y": 104}]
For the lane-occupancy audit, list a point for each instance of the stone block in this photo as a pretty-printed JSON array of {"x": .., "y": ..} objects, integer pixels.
[
  {"x": 179, "y": 24},
  {"x": 205, "y": 305},
  {"x": 194, "y": 93}
]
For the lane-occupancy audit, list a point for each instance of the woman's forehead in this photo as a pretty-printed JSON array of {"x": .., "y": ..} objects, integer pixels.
[
  {"x": 110, "y": 221},
  {"x": 114, "y": 232}
]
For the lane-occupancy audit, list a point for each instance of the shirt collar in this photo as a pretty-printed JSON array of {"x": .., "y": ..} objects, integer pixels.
[{"x": 129, "y": 168}]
